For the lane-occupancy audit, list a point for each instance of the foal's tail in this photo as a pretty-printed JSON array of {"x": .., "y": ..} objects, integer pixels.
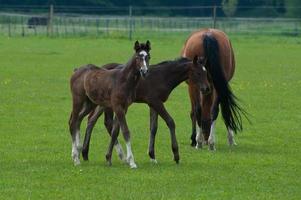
[{"x": 231, "y": 111}]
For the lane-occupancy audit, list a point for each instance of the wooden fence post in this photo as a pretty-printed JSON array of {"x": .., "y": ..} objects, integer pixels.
[
  {"x": 50, "y": 20},
  {"x": 214, "y": 16},
  {"x": 130, "y": 23}
]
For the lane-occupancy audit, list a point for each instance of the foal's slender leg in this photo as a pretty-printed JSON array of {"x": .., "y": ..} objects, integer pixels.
[
  {"x": 80, "y": 110},
  {"x": 160, "y": 109},
  {"x": 194, "y": 129},
  {"x": 114, "y": 135},
  {"x": 153, "y": 131},
  {"x": 120, "y": 115},
  {"x": 108, "y": 121},
  {"x": 92, "y": 119},
  {"x": 194, "y": 100}
]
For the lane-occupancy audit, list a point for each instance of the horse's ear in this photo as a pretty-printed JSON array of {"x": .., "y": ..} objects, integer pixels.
[
  {"x": 136, "y": 46},
  {"x": 148, "y": 45},
  {"x": 202, "y": 60},
  {"x": 195, "y": 60}
]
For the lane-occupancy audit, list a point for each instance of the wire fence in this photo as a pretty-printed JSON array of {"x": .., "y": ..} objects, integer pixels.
[{"x": 126, "y": 22}]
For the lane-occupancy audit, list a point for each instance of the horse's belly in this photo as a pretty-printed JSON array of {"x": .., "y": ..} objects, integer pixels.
[{"x": 99, "y": 97}]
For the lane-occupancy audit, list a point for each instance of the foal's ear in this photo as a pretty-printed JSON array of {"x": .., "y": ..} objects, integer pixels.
[
  {"x": 136, "y": 46},
  {"x": 195, "y": 60},
  {"x": 202, "y": 60},
  {"x": 148, "y": 45}
]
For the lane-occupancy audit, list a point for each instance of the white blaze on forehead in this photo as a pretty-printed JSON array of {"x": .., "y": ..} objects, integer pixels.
[
  {"x": 204, "y": 69},
  {"x": 143, "y": 53}
]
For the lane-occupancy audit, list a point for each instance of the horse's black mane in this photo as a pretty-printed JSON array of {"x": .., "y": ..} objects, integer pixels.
[{"x": 180, "y": 60}]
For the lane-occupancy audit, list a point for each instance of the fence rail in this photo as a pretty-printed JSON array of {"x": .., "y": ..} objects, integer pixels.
[{"x": 25, "y": 21}]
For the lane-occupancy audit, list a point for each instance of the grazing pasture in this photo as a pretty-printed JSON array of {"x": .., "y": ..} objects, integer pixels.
[{"x": 35, "y": 144}]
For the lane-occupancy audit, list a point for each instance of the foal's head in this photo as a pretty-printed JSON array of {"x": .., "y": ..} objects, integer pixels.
[
  {"x": 142, "y": 56},
  {"x": 199, "y": 74}
]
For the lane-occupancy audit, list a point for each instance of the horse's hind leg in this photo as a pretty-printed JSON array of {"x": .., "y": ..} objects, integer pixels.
[
  {"x": 215, "y": 111},
  {"x": 153, "y": 131},
  {"x": 80, "y": 110},
  {"x": 108, "y": 121},
  {"x": 74, "y": 130},
  {"x": 231, "y": 140},
  {"x": 160, "y": 109},
  {"x": 92, "y": 119}
]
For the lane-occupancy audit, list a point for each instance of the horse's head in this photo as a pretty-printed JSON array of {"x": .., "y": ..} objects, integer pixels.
[
  {"x": 199, "y": 74},
  {"x": 142, "y": 56}
]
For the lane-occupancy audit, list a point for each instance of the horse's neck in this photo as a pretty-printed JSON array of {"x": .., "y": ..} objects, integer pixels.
[
  {"x": 176, "y": 74},
  {"x": 130, "y": 73}
]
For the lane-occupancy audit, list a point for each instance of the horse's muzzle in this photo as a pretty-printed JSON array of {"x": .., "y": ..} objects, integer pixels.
[
  {"x": 205, "y": 90},
  {"x": 143, "y": 73}
]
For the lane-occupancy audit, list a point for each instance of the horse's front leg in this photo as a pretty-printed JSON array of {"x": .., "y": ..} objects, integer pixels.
[
  {"x": 160, "y": 109},
  {"x": 108, "y": 121},
  {"x": 120, "y": 115},
  {"x": 153, "y": 131},
  {"x": 114, "y": 135}
]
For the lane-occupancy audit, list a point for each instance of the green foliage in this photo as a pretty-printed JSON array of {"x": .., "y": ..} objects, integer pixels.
[
  {"x": 229, "y": 7},
  {"x": 293, "y": 8},
  {"x": 35, "y": 147}
]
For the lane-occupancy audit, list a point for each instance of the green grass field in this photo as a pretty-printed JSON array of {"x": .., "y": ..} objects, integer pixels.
[{"x": 35, "y": 144}]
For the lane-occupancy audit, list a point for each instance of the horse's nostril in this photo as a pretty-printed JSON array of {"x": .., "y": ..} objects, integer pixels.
[{"x": 205, "y": 90}]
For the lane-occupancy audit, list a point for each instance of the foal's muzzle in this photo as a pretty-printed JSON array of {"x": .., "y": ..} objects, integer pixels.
[
  {"x": 143, "y": 72},
  {"x": 205, "y": 89}
]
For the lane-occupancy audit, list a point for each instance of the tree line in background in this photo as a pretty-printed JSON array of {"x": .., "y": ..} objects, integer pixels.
[{"x": 286, "y": 8}]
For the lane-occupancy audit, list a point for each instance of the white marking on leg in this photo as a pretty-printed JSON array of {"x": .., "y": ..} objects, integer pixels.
[
  {"x": 130, "y": 156},
  {"x": 231, "y": 140},
  {"x": 211, "y": 139},
  {"x": 75, "y": 150},
  {"x": 119, "y": 151},
  {"x": 153, "y": 161},
  {"x": 199, "y": 137}
]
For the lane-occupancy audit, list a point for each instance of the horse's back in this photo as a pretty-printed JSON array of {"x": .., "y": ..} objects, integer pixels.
[
  {"x": 78, "y": 77},
  {"x": 194, "y": 46}
]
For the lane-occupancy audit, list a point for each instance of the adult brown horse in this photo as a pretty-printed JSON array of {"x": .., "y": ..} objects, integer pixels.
[
  {"x": 115, "y": 89},
  {"x": 216, "y": 47}
]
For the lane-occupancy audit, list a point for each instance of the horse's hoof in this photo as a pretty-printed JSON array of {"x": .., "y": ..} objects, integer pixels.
[
  {"x": 153, "y": 161},
  {"x": 199, "y": 146},
  {"x": 133, "y": 166},
  {"x": 76, "y": 162},
  {"x": 85, "y": 157},
  {"x": 212, "y": 147},
  {"x": 109, "y": 163},
  {"x": 193, "y": 143},
  {"x": 177, "y": 159},
  {"x": 108, "y": 159}
]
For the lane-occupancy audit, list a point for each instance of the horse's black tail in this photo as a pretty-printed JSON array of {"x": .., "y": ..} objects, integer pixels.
[{"x": 231, "y": 111}]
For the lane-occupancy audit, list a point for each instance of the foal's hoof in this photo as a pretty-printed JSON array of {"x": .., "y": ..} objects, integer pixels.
[
  {"x": 193, "y": 143},
  {"x": 108, "y": 159},
  {"x": 133, "y": 166},
  {"x": 76, "y": 162},
  {"x": 153, "y": 161},
  {"x": 212, "y": 147},
  {"x": 85, "y": 156},
  {"x": 199, "y": 145},
  {"x": 177, "y": 159}
]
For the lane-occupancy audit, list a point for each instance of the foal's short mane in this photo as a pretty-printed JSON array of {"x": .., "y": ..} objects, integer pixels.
[
  {"x": 85, "y": 67},
  {"x": 177, "y": 61}
]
